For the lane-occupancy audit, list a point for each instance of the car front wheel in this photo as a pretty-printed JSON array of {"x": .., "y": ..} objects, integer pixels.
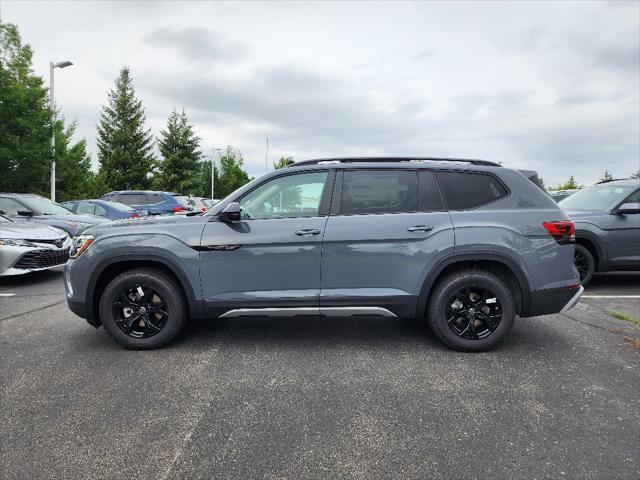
[
  {"x": 143, "y": 309},
  {"x": 471, "y": 310}
]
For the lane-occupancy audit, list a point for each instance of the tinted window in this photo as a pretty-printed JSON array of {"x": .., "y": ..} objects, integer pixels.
[
  {"x": 429, "y": 199},
  {"x": 133, "y": 198},
  {"x": 378, "y": 192},
  {"x": 100, "y": 211},
  {"x": 10, "y": 206},
  {"x": 153, "y": 198},
  {"x": 85, "y": 207},
  {"x": 634, "y": 197},
  {"x": 469, "y": 190},
  {"x": 288, "y": 196}
]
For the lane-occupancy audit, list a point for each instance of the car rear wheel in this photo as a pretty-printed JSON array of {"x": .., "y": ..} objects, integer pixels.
[
  {"x": 143, "y": 309},
  {"x": 471, "y": 310},
  {"x": 585, "y": 263}
]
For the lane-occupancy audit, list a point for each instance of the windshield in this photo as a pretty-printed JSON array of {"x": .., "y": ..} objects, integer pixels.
[
  {"x": 596, "y": 198},
  {"x": 44, "y": 206}
]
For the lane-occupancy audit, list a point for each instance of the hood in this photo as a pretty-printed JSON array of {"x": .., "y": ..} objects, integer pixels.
[
  {"x": 72, "y": 217},
  {"x": 30, "y": 231},
  {"x": 143, "y": 223}
]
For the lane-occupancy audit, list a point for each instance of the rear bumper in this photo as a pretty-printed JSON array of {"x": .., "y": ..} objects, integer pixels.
[{"x": 553, "y": 300}]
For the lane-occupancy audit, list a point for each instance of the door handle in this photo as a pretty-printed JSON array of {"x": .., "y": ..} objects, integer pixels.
[
  {"x": 420, "y": 228},
  {"x": 307, "y": 232}
]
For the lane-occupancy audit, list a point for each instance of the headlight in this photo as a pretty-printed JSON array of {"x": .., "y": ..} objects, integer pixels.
[
  {"x": 14, "y": 242},
  {"x": 80, "y": 244}
]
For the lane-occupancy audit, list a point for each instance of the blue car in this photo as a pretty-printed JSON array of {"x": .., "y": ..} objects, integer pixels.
[
  {"x": 152, "y": 202},
  {"x": 102, "y": 208}
]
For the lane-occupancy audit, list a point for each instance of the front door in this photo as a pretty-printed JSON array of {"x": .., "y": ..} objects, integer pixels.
[
  {"x": 387, "y": 229},
  {"x": 623, "y": 237},
  {"x": 269, "y": 261}
]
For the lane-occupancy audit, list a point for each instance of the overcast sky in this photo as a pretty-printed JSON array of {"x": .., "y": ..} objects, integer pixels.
[{"x": 549, "y": 86}]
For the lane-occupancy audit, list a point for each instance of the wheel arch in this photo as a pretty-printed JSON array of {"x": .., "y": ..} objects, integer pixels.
[
  {"x": 107, "y": 270},
  {"x": 501, "y": 265},
  {"x": 592, "y": 243}
]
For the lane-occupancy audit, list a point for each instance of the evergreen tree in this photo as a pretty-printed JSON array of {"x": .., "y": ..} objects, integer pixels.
[
  {"x": 124, "y": 145},
  {"x": 25, "y": 118},
  {"x": 179, "y": 169},
  {"x": 606, "y": 176},
  {"x": 74, "y": 178},
  {"x": 232, "y": 176},
  {"x": 570, "y": 184},
  {"x": 283, "y": 162}
]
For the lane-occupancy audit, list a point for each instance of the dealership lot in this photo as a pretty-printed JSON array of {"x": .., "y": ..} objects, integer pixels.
[{"x": 319, "y": 398}]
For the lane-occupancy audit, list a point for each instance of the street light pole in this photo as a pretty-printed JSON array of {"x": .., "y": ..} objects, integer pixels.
[
  {"x": 213, "y": 166},
  {"x": 52, "y": 105}
]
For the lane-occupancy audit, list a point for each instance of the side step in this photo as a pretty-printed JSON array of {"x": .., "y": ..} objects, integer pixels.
[{"x": 315, "y": 311}]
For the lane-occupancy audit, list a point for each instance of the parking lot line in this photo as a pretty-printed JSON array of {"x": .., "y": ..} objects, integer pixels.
[{"x": 610, "y": 296}]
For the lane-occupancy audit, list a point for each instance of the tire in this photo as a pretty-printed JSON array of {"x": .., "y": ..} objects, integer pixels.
[
  {"x": 164, "y": 315},
  {"x": 471, "y": 303},
  {"x": 585, "y": 263}
]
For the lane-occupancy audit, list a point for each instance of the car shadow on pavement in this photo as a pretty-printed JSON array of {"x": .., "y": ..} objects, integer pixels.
[{"x": 30, "y": 279}]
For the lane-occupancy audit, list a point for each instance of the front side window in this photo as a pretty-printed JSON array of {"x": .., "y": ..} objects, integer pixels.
[
  {"x": 285, "y": 197},
  {"x": 466, "y": 190},
  {"x": 378, "y": 191}
]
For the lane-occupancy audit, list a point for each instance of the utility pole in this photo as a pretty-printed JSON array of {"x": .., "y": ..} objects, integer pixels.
[{"x": 52, "y": 105}]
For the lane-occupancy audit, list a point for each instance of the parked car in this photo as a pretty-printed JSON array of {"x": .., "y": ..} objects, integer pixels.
[
  {"x": 210, "y": 202},
  {"x": 607, "y": 218},
  {"x": 152, "y": 202},
  {"x": 29, "y": 247},
  {"x": 558, "y": 195},
  {"x": 26, "y": 207},
  {"x": 102, "y": 208},
  {"x": 198, "y": 204},
  {"x": 341, "y": 237}
]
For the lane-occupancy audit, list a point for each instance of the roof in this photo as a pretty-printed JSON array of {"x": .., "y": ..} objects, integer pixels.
[{"x": 485, "y": 163}]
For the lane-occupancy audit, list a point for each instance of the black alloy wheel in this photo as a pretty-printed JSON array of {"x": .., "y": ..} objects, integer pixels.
[
  {"x": 140, "y": 311},
  {"x": 473, "y": 312},
  {"x": 585, "y": 263}
]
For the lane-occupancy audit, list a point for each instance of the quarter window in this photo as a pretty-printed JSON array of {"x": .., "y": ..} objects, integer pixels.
[
  {"x": 285, "y": 197},
  {"x": 379, "y": 191},
  {"x": 463, "y": 190}
]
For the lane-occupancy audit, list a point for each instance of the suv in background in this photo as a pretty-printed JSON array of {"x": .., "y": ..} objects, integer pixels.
[
  {"x": 101, "y": 208},
  {"x": 28, "y": 207},
  {"x": 607, "y": 218},
  {"x": 465, "y": 244},
  {"x": 151, "y": 202}
]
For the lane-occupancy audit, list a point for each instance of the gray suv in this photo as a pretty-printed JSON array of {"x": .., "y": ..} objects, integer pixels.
[
  {"x": 465, "y": 244},
  {"x": 607, "y": 218}
]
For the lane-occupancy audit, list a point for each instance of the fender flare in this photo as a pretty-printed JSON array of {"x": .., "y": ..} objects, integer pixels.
[
  {"x": 196, "y": 308},
  {"x": 601, "y": 261},
  {"x": 430, "y": 280}
]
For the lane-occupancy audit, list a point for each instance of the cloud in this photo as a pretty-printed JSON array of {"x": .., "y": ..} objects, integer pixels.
[{"x": 196, "y": 43}]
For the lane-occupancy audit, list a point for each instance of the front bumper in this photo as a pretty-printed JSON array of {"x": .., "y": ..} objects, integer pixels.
[
  {"x": 18, "y": 260},
  {"x": 553, "y": 300}
]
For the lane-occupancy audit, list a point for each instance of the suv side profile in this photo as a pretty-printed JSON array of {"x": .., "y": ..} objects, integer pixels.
[{"x": 464, "y": 244}]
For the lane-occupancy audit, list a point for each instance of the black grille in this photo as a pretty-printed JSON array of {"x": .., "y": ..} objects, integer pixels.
[
  {"x": 43, "y": 259},
  {"x": 58, "y": 242}
]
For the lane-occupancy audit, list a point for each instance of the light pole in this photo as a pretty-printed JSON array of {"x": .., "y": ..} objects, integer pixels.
[
  {"x": 213, "y": 166},
  {"x": 52, "y": 104}
]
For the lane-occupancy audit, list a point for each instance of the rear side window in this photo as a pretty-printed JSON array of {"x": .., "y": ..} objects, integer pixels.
[
  {"x": 366, "y": 192},
  {"x": 85, "y": 207},
  {"x": 429, "y": 199},
  {"x": 463, "y": 190},
  {"x": 153, "y": 198}
]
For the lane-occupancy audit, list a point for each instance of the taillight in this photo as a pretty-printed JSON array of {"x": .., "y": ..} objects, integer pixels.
[
  {"x": 134, "y": 215},
  {"x": 562, "y": 231},
  {"x": 178, "y": 209}
]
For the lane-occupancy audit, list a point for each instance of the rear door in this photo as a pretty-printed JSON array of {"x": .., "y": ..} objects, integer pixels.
[
  {"x": 387, "y": 229},
  {"x": 623, "y": 237}
]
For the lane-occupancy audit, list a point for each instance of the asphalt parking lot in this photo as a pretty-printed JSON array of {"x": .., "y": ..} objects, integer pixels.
[{"x": 360, "y": 398}]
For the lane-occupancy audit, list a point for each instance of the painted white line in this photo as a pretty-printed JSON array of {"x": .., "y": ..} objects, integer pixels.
[
  {"x": 7, "y": 294},
  {"x": 610, "y": 296}
]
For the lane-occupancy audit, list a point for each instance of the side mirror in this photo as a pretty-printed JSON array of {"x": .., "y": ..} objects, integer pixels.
[
  {"x": 231, "y": 213},
  {"x": 25, "y": 213},
  {"x": 624, "y": 209}
]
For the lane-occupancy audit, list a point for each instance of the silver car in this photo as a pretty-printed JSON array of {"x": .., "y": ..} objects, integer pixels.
[{"x": 29, "y": 247}]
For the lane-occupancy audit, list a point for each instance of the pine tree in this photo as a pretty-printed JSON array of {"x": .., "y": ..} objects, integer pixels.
[
  {"x": 606, "y": 176},
  {"x": 179, "y": 169},
  {"x": 124, "y": 145},
  {"x": 25, "y": 118}
]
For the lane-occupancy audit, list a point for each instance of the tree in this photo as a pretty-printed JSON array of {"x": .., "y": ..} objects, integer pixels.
[
  {"x": 74, "y": 178},
  {"x": 179, "y": 169},
  {"x": 124, "y": 145},
  {"x": 570, "y": 184},
  {"x": 232, "y": 176},
  {"x": 25, "y": 118},
  {"x": 283, "y": 162},
  {"x": 606, "y": 177}
]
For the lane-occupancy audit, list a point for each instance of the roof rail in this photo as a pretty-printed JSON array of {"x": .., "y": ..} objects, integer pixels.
[
  {"x": 392, "y": 159},
  {"x": 612, "y": 180}
]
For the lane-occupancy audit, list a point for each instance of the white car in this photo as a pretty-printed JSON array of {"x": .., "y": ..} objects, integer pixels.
[{"x": 29, "y": 247}]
